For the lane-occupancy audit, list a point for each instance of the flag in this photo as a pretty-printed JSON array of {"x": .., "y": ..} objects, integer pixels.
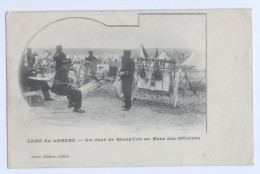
[
  {"x": 156, "y": 53},
  {"x": 145, "y": 53}
]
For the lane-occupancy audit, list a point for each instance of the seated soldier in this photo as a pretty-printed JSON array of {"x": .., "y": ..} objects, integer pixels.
[
  {"x": 32, "y": 85},
  {"x": 62, "y": 86}
]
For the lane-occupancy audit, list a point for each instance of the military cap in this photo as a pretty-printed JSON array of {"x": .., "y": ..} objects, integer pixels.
[{"x": 59, "y": 46}]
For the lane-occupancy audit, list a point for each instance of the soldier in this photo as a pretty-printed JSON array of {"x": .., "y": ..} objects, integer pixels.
[
  {"x": 32, "y": 85},
  {"x": 93, "y": 60},
  {"x": 61, "y": 86},
  {"x": 30, "y": 57},
  {"x": 59, "y": 57},
  {"x": 127, "y": 77}
]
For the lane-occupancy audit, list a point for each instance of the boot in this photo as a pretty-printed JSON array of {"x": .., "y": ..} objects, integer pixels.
[{"x": 79, "y": 110}]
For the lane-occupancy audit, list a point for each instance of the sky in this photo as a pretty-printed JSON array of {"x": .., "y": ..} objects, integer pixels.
[{"x": 154, "y": 31}]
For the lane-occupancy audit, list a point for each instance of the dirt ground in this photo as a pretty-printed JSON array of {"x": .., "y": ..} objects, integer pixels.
[{"x": 103, "y": 108}]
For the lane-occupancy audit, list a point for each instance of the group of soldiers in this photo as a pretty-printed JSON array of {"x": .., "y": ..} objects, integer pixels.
[
  {"x": 27, "y": 70},
  {"x": 62, "y": 84}
]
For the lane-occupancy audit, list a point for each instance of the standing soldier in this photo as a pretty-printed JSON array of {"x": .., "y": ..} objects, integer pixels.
[
  {"x": 61, "y": 86},
  {"x": 93, "y": 60},
  {"x": 30, "y": 57},
  {"x": 127, "y": 77},
  {"x": 59, "y": 57}
]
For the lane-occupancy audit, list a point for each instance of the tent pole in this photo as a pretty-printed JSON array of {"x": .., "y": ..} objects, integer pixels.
[
  {"x": 190, "y": 85},
  {"x": 201, "y": 80}
]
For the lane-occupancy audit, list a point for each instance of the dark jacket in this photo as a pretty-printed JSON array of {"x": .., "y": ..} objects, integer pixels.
[
  {"x": 24, "y": 73},
  {"x": 30, "y": 59},
  {"x": 94, "y": 62},
  {"x": 60, "y": 76},
  {"x": 59, "y": 57},
  {"x": 128, "y": 67}
]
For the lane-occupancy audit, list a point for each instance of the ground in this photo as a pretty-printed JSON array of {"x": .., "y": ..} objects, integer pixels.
[{"x": 103, "y": 109}]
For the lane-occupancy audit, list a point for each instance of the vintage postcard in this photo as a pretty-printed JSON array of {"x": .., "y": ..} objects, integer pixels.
[{"x": 129, "y": 88}]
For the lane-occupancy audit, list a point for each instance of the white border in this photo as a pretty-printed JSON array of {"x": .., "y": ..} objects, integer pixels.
[{"x": 61, "y": 5}]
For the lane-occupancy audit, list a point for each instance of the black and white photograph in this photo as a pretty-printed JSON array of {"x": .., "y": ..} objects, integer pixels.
[
  {"x": 148, "y": 75},
  {"x": 129, "y": 88}
]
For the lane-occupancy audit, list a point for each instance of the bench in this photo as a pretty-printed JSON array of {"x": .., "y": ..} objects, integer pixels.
[{"x": 33, "y": 96}]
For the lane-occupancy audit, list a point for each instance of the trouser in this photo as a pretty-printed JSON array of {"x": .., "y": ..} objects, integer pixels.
[
  {"x": 36, "y": 85},
  {"x": 75, "y": 96},
  {"x": 45, "y": 90},
  {"x": 127, "y": 90}
]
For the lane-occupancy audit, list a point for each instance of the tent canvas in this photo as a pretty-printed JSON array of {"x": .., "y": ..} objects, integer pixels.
[
  {"x": 196, "y": 61},
  {"x": 142, "y": 52},
  {"x": 194, "y": 70},
  {"x": 164, "y": 56}
]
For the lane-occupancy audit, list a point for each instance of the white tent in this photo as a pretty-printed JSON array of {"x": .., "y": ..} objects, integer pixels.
[
  {"x": 117, "y": 57},
  {"x": 199, "y": 62},
  {"x": 163, "y": 56},
  {"x": 142, "y": 52},
  {"x": 197, "y": 73}
]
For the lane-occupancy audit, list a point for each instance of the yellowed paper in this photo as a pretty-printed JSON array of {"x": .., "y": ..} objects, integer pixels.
[{"x": 211, "y": 124}]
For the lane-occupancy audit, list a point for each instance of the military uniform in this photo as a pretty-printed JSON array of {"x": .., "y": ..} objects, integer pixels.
[
  {"x": 30, "y": 59},
  {"x": 33, "y": 85},
  {"x": 93, "y": 60},
  {"x": 128, "y": 67},
  {"x": 61, "y": 87},
  {"x": 59, "y": 57}
]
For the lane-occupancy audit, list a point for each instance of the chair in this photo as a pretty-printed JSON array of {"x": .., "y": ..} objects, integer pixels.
[
  {"x": 61, "y": 101},
  {"x": 33, "y": 96}
]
